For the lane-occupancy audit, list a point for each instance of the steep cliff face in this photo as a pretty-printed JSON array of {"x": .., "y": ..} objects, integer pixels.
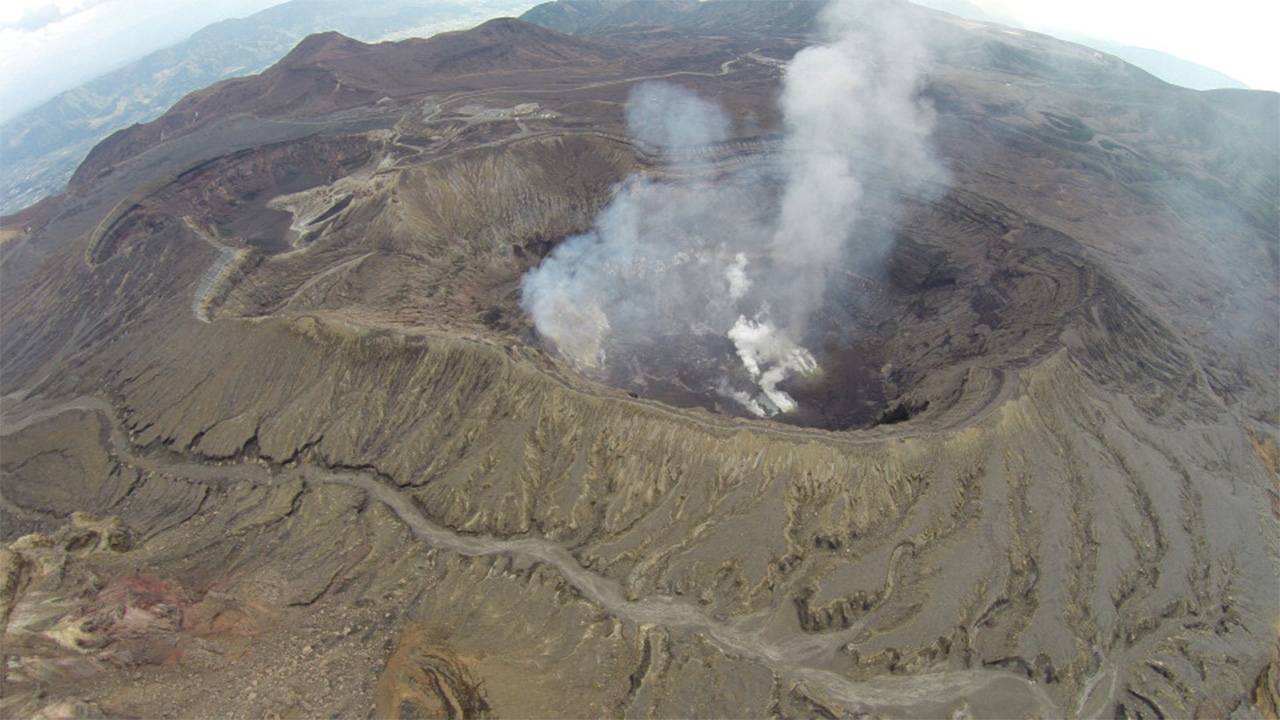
[{"x": 353, "y": 479}]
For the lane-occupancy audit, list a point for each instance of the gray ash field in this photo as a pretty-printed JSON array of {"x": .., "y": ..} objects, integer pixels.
[{"x": 286, "y": 432}]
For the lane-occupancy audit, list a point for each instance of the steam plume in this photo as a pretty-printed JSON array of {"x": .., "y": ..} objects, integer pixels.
[
  {"x": 854, "y": 127},
  {"x": 732, "y": 257}
]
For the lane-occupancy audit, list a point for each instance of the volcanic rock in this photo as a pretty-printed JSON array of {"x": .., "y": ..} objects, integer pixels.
[{"x": 277, "y": 333}]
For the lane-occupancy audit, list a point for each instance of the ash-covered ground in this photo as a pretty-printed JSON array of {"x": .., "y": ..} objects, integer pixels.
[{"x": 346, "y": 465}]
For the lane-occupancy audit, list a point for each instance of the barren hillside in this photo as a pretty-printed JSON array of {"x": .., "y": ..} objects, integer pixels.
[{"x": 280, "y": 435}]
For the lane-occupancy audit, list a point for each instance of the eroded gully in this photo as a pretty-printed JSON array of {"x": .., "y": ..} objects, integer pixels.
[{"x": 739, "y": 637}]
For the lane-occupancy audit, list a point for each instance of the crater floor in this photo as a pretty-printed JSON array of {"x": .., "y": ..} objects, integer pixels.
[{"x": 278, "y": 438}]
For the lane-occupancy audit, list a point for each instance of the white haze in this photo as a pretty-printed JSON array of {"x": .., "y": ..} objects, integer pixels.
[
  {"x": 50, "y": 46},
  {"x": 706, "y": 256},
  {"x": 1236, "y": 37}
]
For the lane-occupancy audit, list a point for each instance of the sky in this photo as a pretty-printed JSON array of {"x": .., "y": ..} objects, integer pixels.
[
  {"x": 1235, "y": 37},
  {"x": 47, "y": 46}
]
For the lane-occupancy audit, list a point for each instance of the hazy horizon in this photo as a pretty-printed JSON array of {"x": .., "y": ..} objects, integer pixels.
[{"x": 50, "y": 46}]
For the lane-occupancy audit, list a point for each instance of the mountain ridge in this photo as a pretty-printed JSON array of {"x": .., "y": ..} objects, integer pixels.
[
  {"x": 274, "y": 411},
  {"x": 44, "y": 146},
  {"x": 328, "y": 72}
]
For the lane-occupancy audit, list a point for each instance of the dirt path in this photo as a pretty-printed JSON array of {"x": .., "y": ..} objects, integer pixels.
[{"x": 799, "y": 657}]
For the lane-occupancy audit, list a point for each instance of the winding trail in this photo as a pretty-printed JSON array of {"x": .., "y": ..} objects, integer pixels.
[
  {"x": 799, "y": 657},
  {"x": 982, "y": 395}
]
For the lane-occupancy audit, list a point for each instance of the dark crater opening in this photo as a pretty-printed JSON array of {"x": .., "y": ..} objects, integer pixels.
[
  {"x": 249, "y": 218},
  {"x": 703, "y": 369},
  {"x": 965, "y": 284}
]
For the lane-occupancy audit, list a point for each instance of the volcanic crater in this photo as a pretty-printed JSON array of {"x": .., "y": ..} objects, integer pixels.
[
  {"x": 1050, "y": 489},
  {"x": 963, "y": 289}
]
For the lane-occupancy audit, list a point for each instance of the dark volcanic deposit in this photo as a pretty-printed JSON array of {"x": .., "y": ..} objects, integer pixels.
[{"x": 596, "y": 364}]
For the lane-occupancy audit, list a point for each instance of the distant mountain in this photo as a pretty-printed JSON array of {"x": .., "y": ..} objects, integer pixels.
[
  {"x": 329, "y": 71},
  {"x": 285, "y": 403},
  {"x": 41, "y": 148},
  {"x": 1170, "y": 68},
  {"x": 587, "y": 16},
  {"x": 61, "y": 46},
  {"x": 580, "y": 16}
]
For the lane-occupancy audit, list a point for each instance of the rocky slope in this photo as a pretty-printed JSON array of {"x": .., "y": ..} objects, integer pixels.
[
  {"x": 278, "y": 438},
  {"x": 43, "y": 146}
]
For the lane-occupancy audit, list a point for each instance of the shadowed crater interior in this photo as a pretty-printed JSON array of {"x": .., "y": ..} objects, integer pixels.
[{"x": 963, "y": 284}]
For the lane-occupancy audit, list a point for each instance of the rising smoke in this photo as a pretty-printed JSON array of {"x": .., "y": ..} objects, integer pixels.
[{"x": 746, "y": 256}]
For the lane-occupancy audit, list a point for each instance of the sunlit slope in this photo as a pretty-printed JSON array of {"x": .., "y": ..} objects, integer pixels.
[{"x": 286, "y": 350}]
